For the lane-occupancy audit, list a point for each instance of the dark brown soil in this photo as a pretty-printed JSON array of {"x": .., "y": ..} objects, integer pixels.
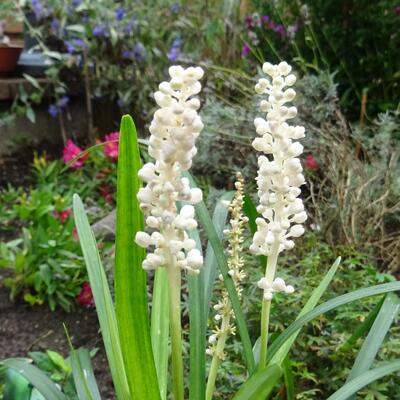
[{"x": 24, "y": 328}]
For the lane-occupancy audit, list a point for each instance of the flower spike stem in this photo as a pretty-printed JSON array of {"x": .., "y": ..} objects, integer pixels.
[
  {"x": 174, "y": 282},
  {"x": 217, "y": 358},
  {"x": 266, "y": 306}
]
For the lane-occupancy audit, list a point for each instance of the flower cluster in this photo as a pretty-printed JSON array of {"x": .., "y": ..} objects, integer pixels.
[
  {"x": 280, "y": 172},
  {"x": 174, "y": 129},
  {"x": 256, "y": 25},
  {"x": 235, "y": 262},
  {"x": 278, "y": 285},
  {"x": 71, "y": 151},
  {"x": 111, "y": 149}
]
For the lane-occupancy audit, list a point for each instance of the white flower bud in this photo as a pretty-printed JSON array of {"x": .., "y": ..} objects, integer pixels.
[{"x": 143, "y": 239}]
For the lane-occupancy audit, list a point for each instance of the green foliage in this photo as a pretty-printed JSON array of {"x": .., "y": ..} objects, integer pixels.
[
  {"x": 45, "y": 258},
  {"x": 316, "y": 35}
]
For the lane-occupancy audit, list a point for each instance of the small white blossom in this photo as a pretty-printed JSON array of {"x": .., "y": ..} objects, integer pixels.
[{"x": 174, "y": 130}]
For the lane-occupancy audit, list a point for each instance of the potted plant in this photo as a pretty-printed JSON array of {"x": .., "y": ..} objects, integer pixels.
[{"x": 10, "y": 49}]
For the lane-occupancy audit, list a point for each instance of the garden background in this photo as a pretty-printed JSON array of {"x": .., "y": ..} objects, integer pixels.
[{"x": 86, "y": 63}]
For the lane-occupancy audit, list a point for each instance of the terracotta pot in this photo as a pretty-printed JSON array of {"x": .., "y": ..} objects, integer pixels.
[{"x": 9, "y": 55}]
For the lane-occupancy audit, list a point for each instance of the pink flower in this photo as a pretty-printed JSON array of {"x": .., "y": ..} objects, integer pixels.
[
  {"x": 311, "y": 163},
  {"x": 62, "y": 216},
  {"x": 397, "y": 10},
  {"x": 111, "y": 149},
  {"x": 85, "y": 296},
  {"x": 71, "y": 150}
]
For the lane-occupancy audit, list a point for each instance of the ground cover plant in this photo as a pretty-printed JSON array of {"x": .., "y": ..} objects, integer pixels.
[{"x": 137, "y": 345}]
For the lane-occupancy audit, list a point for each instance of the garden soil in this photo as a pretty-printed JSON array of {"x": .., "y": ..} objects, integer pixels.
[{"x": 24, "y": 328}]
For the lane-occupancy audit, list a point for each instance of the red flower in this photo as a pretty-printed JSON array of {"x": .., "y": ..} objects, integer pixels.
[
  {"x": 85, "y": 297},
  {"x": 62, "y": 216},
  {"x": 71, "y": 150},
  {"x": 111, "y": 149},
  {"x": 311, "y": 163},
  {"x": 75, "y": 234},
  {"x": 105, "y": 192}
]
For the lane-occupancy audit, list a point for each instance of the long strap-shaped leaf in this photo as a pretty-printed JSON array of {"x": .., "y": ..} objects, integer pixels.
[
  {"x": 36, "y": 377},
  {"x": 205, "y": 220},
  {"x": 210, "y": 262},
  {"x": 328, "y": 306},
  {"x": 376, "y": 335},
  {"x": 251, "y": 212},
  {"x": 311, "y": 303},
  {"x": 365, "y": 379},
  {"x": 102, "y": 298},
  {"x": 197, "y": 333},
  {"x": 160, "y": 328},
  {"x": 130, "y": 278},
  {"x": 260, "y": 384},
  {"x": 83, "y": 374}
]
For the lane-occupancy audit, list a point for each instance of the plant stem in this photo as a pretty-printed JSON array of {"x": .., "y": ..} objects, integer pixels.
[
  {"x": 174, "y": 282},
  {"x": 266, "y": 306},
  {"x": 217, "y": 357}
]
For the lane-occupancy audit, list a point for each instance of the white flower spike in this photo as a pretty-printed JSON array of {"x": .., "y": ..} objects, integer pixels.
[
  {"x": 280, "y": 173},
  {"x": 174, "y": 130}
]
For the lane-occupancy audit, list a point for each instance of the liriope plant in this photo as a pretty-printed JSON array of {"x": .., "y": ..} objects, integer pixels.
[{"x": 162, "y": 217}]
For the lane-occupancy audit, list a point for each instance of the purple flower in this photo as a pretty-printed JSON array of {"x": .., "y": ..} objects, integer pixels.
[
  {"x": 119, "y": 13},
  {"x": 174, "y": 51},
  {"x": 265, "y": 19},
  {"x": 76, "y": 3},
  {"x": 63, "y": 102},
  {"x": 248, "y": 22},
  {"x": 55, "y": 25},
  {"x": 37, "y": 9},
  {"x": 139, "y": 51},
  {"x": 75, "y": 45},
  {"x": 280, "y": 30},
  {"x": 129, "y": 27},
  {"x": 99, "y": 30},
  {"x": 53, "y": 110},
  {"x": 174, "y": 7},
  {"x": 245, "y": 50},
  {"x": 397, "y": 10},
  {"x": 126, "y": 54}
]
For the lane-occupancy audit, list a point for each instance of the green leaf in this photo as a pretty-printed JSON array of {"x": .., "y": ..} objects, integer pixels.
[
  {"x": 58, "y": 360},
  {"x": 210, "y": 262},
  {"x": 103, "y": 300},
  {"x": 365, "y": 379},
  {"x": 376, "y": 335},
  {"x": 85, "y": 381},
  {"x": 251, "y": 213},
  {"x": 362, "y": 328},
  {"x": 289, "y": 380},
  {"x": 205, "y": 220},
  {"x": 30, "y": 114},
  {"x": 328, "y": 306},
  {"x": 36, "y": 377},
  {"x": 130, "y": 278},
  {"x": 311, "y": 303},
  {"x": 15, "y": 386},
  {"x": 197, "y": 333},
  {"x": 260, "y": 384},
  {"x": 160, "y": 328}
]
